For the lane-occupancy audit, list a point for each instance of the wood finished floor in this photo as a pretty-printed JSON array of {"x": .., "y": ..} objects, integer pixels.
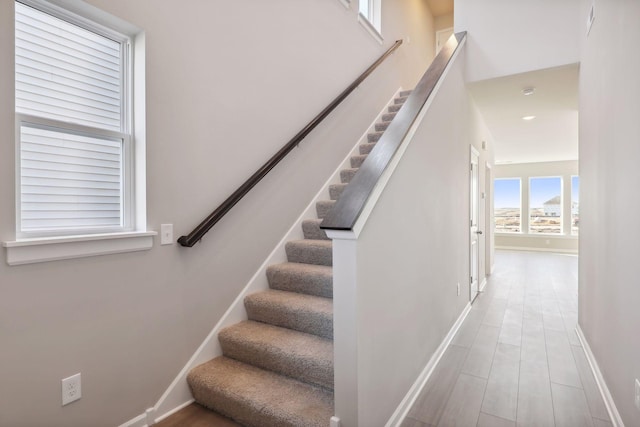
[
  {"x": 516, "y": 360},
  {"x": 195, "y": 415}
]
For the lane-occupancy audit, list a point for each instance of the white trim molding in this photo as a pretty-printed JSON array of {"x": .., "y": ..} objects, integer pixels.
[
  {"x": 531, "y": 249},
  {"x": 616, "y": 420},
  {"x": 403, "y": 409},
  {"x": 29, "y": 251}
]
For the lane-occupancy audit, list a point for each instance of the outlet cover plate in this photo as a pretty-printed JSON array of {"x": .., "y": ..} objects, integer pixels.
[
  {"x": 637, "y": 399},
  {"x": 71, "y": 389},
  {"x": 166, "y": 234}
]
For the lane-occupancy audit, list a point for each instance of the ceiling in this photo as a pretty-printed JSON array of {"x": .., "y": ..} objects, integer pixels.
[
  {"x": 552, "y": 135},
  {"x": 440, "y": 7}
]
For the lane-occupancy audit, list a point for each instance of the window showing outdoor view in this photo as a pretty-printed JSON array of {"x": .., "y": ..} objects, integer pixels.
[
  {"x": 575, "y": 204},
  {"x": 506, "y": 205},
  {"x": 545, "y": 205}
]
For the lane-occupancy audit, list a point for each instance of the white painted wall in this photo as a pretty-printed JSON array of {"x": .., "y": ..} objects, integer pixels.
[
  {"x": 609, "y": 295},
  {"x": 513, "y": 36},
  {"x": 561, "y": 243},
  {"x": 395, "y": 286},
  {"x": 228, "y": 83}
]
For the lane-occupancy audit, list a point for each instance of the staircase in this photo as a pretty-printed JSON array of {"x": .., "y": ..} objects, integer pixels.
[{"x": 277, "y": 366}]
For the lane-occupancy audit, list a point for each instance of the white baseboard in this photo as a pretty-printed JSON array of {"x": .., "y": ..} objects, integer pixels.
[
  {"x": 401, "y": 412},
  {"x": 483, "y": 284},
  {"x": 616, "y": 420}
]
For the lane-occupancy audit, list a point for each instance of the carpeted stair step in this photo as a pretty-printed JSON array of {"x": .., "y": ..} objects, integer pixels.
[
  {"x": 387, "y": 117},
  {"x": 394, "y": 108},
  {"x": 308, "y": 251},
  {"x": 304, "y": 357},
  {"x": 307, "y": 279},
  {"x": 311, "y": 230},
  {"x": 382, "y": 126},
  {"x": 374, "y": 136},
  {"x": 257, "y": 398},
  {"x": 323, "y": 207},
  {"x": 366, "y": 148},
  {"x": 304, "y": 313},
  {"x": 400, "y": 100},
  {"x": 335, "y": 190},
  {"x": 405, "y": 93},
  {"x": 346, "y": 175},
  {"x": 356, "y": 161}
]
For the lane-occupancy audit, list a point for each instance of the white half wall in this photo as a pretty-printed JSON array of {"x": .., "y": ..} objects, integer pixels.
[{"x": 395, "y": 283}]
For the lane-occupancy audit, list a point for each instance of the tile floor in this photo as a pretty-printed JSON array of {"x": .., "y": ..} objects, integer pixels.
[{"x": 516, "y": 360}]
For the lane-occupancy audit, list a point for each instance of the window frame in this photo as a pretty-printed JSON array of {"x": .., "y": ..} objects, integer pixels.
[
  {"x": 22, "y": 250},
  {"x": 562, "y": 200},
  {"x": 371, "y": 18},
  {"x": 509, "y": 233},
  {"x": 126, "y": 133}
]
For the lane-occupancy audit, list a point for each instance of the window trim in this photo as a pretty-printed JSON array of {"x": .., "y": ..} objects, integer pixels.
[
  {"x": 562, "y": 200},
  {"x": 508, "y": 233},
  {"x": 372, "y": 20},
  {"x": 32, "y": 250}
]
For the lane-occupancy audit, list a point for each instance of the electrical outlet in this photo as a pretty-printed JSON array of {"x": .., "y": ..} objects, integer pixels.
[
  {"x": 71, "y": 389},
  {"x": 166, "y": 234},
  {"x": 458, "y": 288},
  {"x": 637, "y": 400}
]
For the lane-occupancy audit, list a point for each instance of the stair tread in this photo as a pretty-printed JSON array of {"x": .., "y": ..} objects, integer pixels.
[
  {"x": 323, "y": 207},
  {"x": 306, "y": 313},
  {"x": 303, "y": 356},
  {"x": 255, "y": 397},
  {"x": 309, "y": 251}
]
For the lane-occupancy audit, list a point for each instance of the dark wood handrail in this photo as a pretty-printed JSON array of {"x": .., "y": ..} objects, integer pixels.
[
  {"x": 202, "y": 228},
  {"x": 345, "y": 212}
]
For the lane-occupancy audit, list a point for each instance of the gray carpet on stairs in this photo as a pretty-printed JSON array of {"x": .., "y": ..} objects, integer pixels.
[{"x": 277, "y": 367}]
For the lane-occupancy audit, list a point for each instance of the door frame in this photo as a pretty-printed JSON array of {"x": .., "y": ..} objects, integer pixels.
[{"x": 474, "y": 216}]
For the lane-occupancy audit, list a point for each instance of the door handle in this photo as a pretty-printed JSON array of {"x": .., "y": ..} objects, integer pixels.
[{"x": 479, "y": 232}]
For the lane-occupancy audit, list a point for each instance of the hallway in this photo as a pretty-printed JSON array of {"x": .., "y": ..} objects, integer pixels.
[{"x": 516, "y": 360}]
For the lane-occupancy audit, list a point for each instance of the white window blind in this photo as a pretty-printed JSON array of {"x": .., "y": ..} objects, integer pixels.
[
  {"x": 65, "y": 72},
  {"x": 69, "y": 181},
  {"x": 70, "y": 106}
]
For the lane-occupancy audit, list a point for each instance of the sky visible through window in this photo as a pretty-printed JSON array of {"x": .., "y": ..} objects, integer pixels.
[
  {"x": 507, "y": 193},
  {"x": 575, "y": 188},
  {"x": 543, "y": 190}
]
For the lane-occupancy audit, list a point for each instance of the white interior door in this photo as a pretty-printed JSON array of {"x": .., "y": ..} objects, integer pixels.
[
  {"x": 441, "y": 38},
  {"x": 474, "y": 232}
]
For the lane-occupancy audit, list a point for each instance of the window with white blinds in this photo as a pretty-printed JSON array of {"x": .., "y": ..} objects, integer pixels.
[{"x": 71, "y": 107}]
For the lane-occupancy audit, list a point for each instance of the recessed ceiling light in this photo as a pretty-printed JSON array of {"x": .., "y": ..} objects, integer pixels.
[
  {"x": 528, "y": 117},
  {"x": 528, "y": 90}
]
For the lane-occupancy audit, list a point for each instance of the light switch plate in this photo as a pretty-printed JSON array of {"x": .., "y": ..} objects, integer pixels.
[{"x": 166, "y": 234}]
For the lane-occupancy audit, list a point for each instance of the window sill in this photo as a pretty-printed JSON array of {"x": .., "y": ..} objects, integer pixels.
[
  {"x": 367, "y": 25},
  {"x": 539, "y": 235},
  {"x": 29, "y": 251}
]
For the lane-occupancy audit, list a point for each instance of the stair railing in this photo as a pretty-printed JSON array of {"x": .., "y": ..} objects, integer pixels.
[
  {"x": 346, "y": 211},
  {"x": 196, "y": 235}
]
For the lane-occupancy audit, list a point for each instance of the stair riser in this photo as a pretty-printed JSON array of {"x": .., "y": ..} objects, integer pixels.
[
  {"x": 400, "y": 100},
  {"x": 318, "y": 324},
  {"x": 405, "y": 93},
  {"x": 335, "y": 190},
  {"x": 311, "y": 230},
  {"x": 346, "y": 175},
  {"x": 394, "y": 108},
  {"x": 357, "y": 161},
  {"x": 307, "y": 370},
  {"x": 388, "y": 117},
  {"x": 309, "y": 254},
  {"x": 366, "y": 148},
  {"x": 374, "y": 136},
  {"x": 317, "y": 284},
  {"x": 381, "y": 127},
  {"x": 323, "y": 207}
]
